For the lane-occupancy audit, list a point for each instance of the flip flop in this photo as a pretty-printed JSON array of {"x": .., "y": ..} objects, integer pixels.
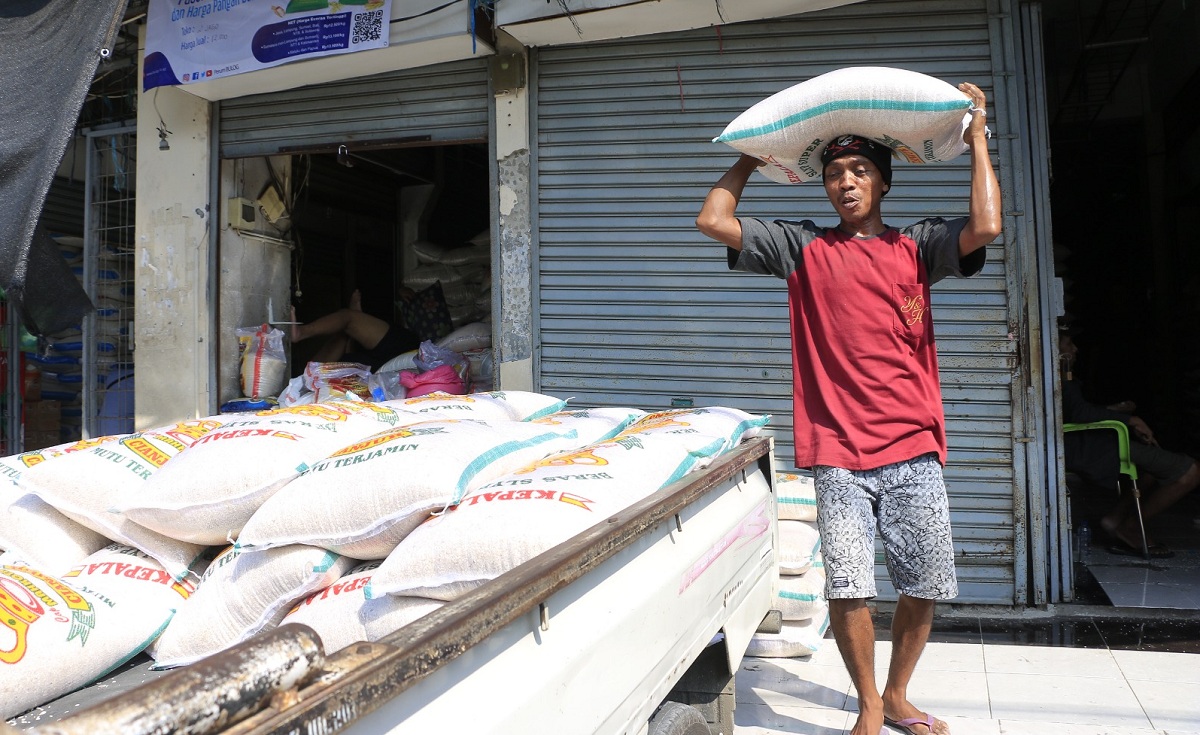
[
  {"x": 1157, "y": 551},
  {"x": 936, "y": 726}
]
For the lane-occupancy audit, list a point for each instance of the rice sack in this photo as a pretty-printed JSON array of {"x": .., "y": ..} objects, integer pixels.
[
  {"x": 34, "y": 531},
  {"x": 509, "y": 520},
  {"x": 697, "y": 428},
  {"x": 501, "y": 404},
  {"x": 341, "y": 615},
  {"x": 795, "y": 497},
  {"x": 58, "y": 633},
  {"x": 388, "y": 483},
  {"x": 591, "y": 425},
  {"x": 208, "y": 492},
  {"x": 799, "y": 542},
  {"x": 921, "y": 118},
  {"x": 802, "y": 596},
  {"x": 795, "y": 638},
  {"x": 241, "y": 593},
  {"x": 87, "y": 484}
]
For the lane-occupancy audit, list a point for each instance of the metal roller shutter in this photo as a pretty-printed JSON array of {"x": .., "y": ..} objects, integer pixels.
[
  {"x": 636, "y": 308},
  {"x": 442, "y": 103}
]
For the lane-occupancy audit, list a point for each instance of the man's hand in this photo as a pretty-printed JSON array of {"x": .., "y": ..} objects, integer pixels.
[
  {"x": 977, "y": 129},
  {"x": 1142, "y": 431}
]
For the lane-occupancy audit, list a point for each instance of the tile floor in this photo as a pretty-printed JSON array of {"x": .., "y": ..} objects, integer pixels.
[{"x": 1053, "y": 677}]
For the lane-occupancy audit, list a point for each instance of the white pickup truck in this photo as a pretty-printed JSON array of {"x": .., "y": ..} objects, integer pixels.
[{"x": 634, "y": 626}]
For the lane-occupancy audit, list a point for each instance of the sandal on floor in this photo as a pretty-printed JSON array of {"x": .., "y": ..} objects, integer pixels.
[
  {"x": 936, "y": 726},
  {"x": 1157, "y": 551}
]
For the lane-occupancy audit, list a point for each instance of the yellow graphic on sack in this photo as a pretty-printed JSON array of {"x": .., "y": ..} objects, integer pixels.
[
  {"x": 438, "y": 396},
  {"x": 582, "y": 457},
  {"x": 374, "y": 441},
  {"x": 23, "y": 602},
  {"x": 142, "y": 447},
  {"x": 323, "y": 411},
  {"x": 660, "y": 420}
]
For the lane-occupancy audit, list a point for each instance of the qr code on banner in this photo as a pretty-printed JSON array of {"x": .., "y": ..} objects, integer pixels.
[{"x": 368, "y": 27}]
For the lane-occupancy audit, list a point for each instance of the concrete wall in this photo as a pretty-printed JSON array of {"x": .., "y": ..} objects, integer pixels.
[
  {"x": 513, "y": 343},
  {"x": 171, "y": 339},
  {"x": 255, "y": 266}
]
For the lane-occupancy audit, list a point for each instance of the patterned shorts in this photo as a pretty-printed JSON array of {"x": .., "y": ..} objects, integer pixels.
[{"x": 906, "y": 502}]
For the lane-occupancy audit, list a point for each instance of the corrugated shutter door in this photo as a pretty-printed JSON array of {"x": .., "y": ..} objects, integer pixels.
[
  {"x": 446, "y": 102},
  {"x": 635, "y": 307}
]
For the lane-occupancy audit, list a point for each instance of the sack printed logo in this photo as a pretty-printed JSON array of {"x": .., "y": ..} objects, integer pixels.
[
  {"x": 374, "y": 441},
  {"x": 583, "y": 457},
  {"x": 438, "y": 396},
  {"x": 23, "y": 602},
  {"x": 563, "y": 497},
  {"x": 323, "y": 411}
]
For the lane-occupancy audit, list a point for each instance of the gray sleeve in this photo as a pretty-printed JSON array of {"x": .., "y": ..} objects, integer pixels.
[
  {"x": 937, "y": 243},
  {"x": 770, "y": 248}
]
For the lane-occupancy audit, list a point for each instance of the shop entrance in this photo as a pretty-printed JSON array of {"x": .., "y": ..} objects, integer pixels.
[
  {"x": 402, "y": 233},
  {"x": 1123, "y": 162}
]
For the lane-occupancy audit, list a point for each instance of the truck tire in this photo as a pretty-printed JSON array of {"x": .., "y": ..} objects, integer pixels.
[{"x": 673, "y": 718}]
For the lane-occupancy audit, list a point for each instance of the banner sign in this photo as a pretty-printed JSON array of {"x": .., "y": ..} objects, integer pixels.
[{"x": 199, "y": 40}]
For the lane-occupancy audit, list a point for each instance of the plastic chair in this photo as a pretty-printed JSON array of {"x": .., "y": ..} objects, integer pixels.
[{"x": 1127, "y": 467}]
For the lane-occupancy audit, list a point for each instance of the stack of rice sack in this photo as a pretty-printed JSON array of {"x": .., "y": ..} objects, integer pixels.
[
  {"x": 354, "y": 518},
  {"x": 464, "y": 272},
  {"x": 73, "y": 604},
  {"x": 300, "y": 521},
  {"x": 801, "y": 596},
  {"x": 512, "y": 517}
]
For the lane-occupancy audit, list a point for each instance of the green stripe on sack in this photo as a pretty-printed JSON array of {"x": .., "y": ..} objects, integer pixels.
[
  {"x": 839, "y": 105},
  {"x": 801, "y": 596},
  {"x": 496, "y": 453},
  {"x": 795, "y": 501}
]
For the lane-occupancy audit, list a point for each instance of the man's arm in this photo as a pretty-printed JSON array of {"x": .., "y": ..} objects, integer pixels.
[
  {"x": 717, "y": 219},
  {"x": 984, "y": 218}
]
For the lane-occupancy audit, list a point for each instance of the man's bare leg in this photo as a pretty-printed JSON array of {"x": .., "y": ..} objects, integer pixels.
[
  {"x": 855, "y": 635},
  {"x": 1122, "y": 522},
  {"x": 911, "y": 624},
  {"x": 363, "y": 328}
]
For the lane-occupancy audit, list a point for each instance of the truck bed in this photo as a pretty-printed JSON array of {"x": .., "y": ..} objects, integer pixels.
[{"x": 588, "y": 637}]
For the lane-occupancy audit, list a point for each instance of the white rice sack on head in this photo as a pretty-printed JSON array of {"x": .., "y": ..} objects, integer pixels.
[
  {"x": 512, "y": 404},
  {"x": 592, "y": 425},
  {"x": 86, "y": 485},
  {"x": 207, "y": 494},
  {"x": 341, "y": 615},
  {"x": 799, "y": 542},
  {"x": 386, "y": 484},
  {"x": 700, "y": 427},
  {"x": 505, "y": 522},
  {"x": 795, "y": 638},
  {"x": 63, "y": 632},
  {"x": 802, "y": 596},
  {"x": 244, "y": 592},
  {"x": 920, "y": 117},
  {"x": 795, "y": 497}
]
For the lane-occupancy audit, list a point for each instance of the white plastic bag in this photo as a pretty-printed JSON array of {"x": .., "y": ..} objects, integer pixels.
[{"x": 263, "y": 361}]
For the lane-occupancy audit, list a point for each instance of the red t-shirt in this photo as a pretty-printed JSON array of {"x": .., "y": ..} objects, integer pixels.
[{"x": 864, "y": 363}]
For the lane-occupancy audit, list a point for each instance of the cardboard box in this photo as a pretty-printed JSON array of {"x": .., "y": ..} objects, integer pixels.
[{"x": 43, "y": 416}]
